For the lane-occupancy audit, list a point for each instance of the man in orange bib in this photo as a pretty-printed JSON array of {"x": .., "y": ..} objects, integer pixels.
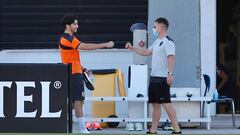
[{"x": 70, "y": 48}]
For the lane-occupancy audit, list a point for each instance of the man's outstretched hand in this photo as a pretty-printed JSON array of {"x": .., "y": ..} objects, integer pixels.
[
  {"x": 128, "y": 46},
  {"x": 110, "y": 44}
]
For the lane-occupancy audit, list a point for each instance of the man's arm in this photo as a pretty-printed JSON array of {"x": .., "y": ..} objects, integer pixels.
[
  {"x": 224, "y": 77},
  {"x": 93, "y": 46},
  {"x": 140, "y": 51},
  {"x": 171, "y": 59}
]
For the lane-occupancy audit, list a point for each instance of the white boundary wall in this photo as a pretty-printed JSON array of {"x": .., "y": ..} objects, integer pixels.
[{"x": 208, "y": 43}]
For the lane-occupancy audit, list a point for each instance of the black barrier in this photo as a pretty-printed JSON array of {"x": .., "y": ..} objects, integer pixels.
[{"x": 34, "y": 98}]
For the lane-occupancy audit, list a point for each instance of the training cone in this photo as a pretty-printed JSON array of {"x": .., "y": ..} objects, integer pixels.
[
  {"x": 97, "y": 126},
  {"x": 89, "y": 126}
]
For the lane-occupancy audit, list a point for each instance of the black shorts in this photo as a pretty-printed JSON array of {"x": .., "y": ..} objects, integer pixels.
[
  {"x": 77, "y": 92},
  {"x": 159, "y": 90}
]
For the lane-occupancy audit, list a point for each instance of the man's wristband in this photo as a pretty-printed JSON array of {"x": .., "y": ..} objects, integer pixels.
[{"x": 170, "y": 73}]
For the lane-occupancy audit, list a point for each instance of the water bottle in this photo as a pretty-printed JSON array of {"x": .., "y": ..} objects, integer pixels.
[{"x": 215, "y": 95}]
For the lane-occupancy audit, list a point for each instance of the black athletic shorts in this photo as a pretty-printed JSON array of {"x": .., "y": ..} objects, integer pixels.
[
  {"x": 77, "y": 92},
  {"x": 159, "y": 90}
]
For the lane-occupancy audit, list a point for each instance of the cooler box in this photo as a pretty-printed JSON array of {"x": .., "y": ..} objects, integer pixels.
[{"x": 137, "y": 85}]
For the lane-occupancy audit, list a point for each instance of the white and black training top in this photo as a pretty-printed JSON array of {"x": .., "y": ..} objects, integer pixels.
[{"x": 161, "y": 48}]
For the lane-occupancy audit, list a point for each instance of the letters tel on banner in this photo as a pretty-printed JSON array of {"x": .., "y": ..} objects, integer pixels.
[{"x": 34, "y": 98}]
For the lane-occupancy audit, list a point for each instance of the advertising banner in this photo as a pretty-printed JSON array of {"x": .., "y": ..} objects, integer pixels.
[{"x": 33, "y": 98}]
